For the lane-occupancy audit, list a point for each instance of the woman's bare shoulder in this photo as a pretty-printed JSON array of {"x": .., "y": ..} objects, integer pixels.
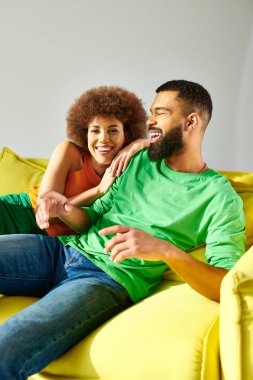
[
  {"x": 67, "y": 147},
  {"x": 68, "y": 154}
]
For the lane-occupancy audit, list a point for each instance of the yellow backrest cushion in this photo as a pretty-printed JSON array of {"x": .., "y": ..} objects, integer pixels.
[
  {"x": 18, "y": 174},
  {"x": 243, "y": 184}
]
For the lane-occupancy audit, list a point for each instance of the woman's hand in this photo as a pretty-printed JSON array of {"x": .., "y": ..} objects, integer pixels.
[
  {"x": 121, "y": 160},
  {"x": 106, "y": 182},
  {"x": 51, "y": 205}
]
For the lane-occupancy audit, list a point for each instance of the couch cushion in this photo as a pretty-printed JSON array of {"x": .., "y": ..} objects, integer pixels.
[
  {"x": 170, "y": 335},
  {"x": 19, "y": 174},
  {"x": 236, "y": 320}
]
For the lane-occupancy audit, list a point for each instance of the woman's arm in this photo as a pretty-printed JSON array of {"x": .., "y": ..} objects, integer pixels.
[
  {"x": 66, "y": 158},
  {"x": 117, "y": 166},
  {"x": 89, "y": 196},
  {"x": 56, "y": 205}
]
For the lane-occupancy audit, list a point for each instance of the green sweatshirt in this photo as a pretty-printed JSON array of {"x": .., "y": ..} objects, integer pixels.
[{"x": 184, "y": 209}]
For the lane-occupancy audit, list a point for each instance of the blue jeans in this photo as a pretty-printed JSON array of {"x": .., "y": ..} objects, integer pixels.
[{"x": 76, "y": 297}]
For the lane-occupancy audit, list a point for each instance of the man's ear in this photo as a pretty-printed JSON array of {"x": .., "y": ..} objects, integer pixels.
[{"x": 192, "y": 121}]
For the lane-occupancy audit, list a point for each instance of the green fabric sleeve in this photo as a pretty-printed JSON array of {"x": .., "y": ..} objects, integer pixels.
[
  {"x": 225, "y": 242},
  {"x": 102, "y": 205}
]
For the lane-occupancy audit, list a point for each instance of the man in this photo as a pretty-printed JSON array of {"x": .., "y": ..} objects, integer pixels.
[{"x": 164, "y": 204}]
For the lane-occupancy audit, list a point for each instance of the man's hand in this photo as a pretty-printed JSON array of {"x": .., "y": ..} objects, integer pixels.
[
  {"x": 132, "y": 242},
  {"x": 51, "y": 204}
]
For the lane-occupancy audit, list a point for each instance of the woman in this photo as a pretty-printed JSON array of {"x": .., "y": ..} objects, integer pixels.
[{"x": 100, "y": 123}]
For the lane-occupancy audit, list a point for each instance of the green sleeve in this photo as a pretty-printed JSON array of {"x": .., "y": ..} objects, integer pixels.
[
  {"x": 102, "y": 205},
  {"x": 225, "y": 241}
]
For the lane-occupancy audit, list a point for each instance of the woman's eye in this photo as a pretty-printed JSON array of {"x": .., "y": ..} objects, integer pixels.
[
  {"x": 94, "y": 130},
  {"x": 113, "y": 130}
]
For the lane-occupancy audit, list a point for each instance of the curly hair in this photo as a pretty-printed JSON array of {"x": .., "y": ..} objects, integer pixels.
[
  {"x": 106, "y": 101},
  {"x": 194, "y": 96}
]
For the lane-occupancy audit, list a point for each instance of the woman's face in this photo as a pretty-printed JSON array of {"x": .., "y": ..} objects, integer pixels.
[{"x": 105, "y": 138}]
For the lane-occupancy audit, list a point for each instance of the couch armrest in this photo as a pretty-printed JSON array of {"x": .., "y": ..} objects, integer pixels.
[{"x": 236, "y": 320}]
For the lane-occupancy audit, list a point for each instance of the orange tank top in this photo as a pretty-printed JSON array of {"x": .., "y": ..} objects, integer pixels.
[{"x": 76, "y": 183}]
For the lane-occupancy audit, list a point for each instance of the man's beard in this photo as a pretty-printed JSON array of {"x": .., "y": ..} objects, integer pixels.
[{"x": 172, "y": 142}]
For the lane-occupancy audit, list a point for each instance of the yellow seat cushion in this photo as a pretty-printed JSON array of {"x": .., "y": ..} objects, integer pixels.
[
  {"x": 18, "y": 174},
  {"x": 171, "y": 335},
  {"x": 12, "y": 305}
]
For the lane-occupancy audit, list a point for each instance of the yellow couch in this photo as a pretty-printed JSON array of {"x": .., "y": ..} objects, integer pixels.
[{"x": 176, "y": 334}]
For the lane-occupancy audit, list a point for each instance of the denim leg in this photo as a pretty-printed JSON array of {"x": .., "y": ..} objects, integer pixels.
[
  {"x": 28, "y": 264},
  {"x": 82, "y": 298}
]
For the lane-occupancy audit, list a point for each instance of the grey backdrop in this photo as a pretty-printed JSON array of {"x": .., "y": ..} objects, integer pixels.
[{"x": 53, "y": 50}]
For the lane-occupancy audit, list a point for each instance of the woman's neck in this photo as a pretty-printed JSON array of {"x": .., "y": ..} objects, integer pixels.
[{"x": 99, "y": 168}]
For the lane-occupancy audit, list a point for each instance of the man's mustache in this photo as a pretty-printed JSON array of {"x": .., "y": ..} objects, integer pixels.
[{"x": 155, "y": 129}]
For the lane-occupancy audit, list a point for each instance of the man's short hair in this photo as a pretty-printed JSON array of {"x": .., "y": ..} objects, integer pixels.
[{"x": 194, "y": 96}]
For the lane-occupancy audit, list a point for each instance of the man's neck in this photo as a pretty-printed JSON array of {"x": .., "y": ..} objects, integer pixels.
[{"x": 189, "y": 165}]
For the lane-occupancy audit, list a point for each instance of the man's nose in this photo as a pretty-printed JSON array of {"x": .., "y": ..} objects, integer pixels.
[{"x": 151, "y": 121}]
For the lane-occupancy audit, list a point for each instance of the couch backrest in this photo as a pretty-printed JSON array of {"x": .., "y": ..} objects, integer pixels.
[
  {"x": 20, "y": 174},
  {"x": 243, "y": 183}
]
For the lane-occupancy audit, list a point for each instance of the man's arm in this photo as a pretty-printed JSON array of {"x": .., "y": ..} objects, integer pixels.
[{"x": 132, "y": 242}]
